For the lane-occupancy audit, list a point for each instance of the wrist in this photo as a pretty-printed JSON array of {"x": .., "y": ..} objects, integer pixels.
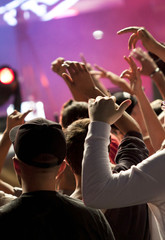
[{"x": 139, "y": 92}]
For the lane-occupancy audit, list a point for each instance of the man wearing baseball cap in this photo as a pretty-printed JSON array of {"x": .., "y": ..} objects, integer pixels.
[{"x": 41, "y": 212}]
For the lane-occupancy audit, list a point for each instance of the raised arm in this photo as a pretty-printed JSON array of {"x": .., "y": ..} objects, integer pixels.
[
  {"x": 114, "y": 78},
  {"x": 95, "y": 77},
  {"x": 13, "y": 119},
  {"x": 153, "y": 125},
  {"x": 150, "y": 68},
  {"x": 80, "y": 82},
  {"x": 103, "y": 189},
  {"x": 148, "y": 41}
]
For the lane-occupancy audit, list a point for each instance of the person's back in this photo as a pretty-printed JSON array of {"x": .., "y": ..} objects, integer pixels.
[
  {"x": 50, "y": 215},
  {"x": 129, "y": 223},
  {"x": 40, "y": 212}
]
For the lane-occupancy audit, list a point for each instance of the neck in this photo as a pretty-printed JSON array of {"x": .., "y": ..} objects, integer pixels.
[{"x": 38, "y": 184}]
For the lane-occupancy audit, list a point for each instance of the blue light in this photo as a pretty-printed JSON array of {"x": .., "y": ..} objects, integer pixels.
[{"x": 38, "y": 7}]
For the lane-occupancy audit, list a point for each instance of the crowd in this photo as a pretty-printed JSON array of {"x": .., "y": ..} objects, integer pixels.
[{"x": 99, "y": 172}]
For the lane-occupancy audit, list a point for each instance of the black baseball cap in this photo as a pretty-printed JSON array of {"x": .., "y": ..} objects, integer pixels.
[{"x": 39, "y": 136}]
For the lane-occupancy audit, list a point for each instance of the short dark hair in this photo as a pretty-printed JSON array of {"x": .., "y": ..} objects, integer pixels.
[
  {"x": 73, "y": 110},
  {"x": 75, "y": 136}
]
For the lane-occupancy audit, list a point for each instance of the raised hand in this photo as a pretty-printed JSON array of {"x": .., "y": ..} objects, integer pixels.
[
  {"x": 147, "y": 63},
  {"x": 101, "y": 72},
  {"x": 114, "y": 78},
  {"x": 104, "y": 109},
  {"x": 80, "y": 81},
  {"x": 139, "y": 33},
  {"x": 57, "y": 67},
  {"x": 133, "y": 75},
  {"x": 96, "y": 75},
  {"x": 15, "y": 118}
]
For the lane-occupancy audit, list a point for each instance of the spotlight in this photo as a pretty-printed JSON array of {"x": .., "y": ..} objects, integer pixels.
[
  {"x": 6, "y": 75},
  {"x": 9, "y": 92}
]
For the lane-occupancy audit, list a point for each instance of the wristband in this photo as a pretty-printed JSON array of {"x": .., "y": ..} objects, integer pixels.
[{"x": 155, "y": 71}]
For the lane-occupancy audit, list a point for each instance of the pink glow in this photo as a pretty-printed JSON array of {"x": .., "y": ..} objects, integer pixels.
[{"x": 68, "y": 13}]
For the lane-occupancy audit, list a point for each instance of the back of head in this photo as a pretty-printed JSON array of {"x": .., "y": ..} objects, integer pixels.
[
  {"x": 38, "y": 138},
  {"x": 71, "y": 111},
  {"x": 75, "y": 136}
]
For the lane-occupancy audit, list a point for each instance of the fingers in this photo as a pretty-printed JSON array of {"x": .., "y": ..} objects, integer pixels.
[
  {"x": 104, "y": 109},
  {"x": 123, "y": 106},
  {"x": 131, "y": 63},
  {"x": 127, "y": 30},
  {"x": 137, "y": 33},
  {"x": 83, "y": 58},
  {"x": 74, "y": 67},
  {"x": 26, "y": 113},
  {"x": 58, "y": 60},
  {"x": 16, "y": 118},
  {"x": 67, "y": 78},
  {"x": 55, "y": 65},
  {"x": 94, "y": 72},
  {"x": 125, "y": 74},
  {"x": 142, "y": 33},
  {"x": 13, "y": 113},
  {"x": 99, "y": 68},
  {"x": 132, "y": 41}
]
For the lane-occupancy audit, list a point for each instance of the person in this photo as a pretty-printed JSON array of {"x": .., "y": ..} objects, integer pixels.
[
  {"x": 140, "y": 184},
  {"x": 135, "y": 227},
  {"x": 78, "y": 79},
  {"x": 71, "y": 111},
  {"x": 40, "y": 211},
  {"x": 7, "y": 191},
  {"x": 148, "y": 41}
]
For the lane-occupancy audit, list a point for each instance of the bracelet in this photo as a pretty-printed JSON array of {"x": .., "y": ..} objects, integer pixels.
[{"x": 155, "y": 71}]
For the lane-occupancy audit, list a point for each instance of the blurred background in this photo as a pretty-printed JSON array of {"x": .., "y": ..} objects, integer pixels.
[{"x": 36, "y": 32}]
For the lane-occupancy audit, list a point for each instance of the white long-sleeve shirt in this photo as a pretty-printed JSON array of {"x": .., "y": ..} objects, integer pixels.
[{"x": 144, "y": 183}]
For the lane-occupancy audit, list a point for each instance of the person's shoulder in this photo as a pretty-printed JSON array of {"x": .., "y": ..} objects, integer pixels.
[
  {"x": 79, "y": 205},
  {"x": 5, "y": 198}
]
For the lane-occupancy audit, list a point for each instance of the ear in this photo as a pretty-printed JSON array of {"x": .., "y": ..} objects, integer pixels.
[
  {"x": 16, "y": 165},
  {"x": 61, "y": 169}
]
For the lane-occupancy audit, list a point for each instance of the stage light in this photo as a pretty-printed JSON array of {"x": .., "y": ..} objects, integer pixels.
[
  {"x": 6, "y": 75},
  {"x": 46, "y": 10},
  {"x": 9, "y": 92}
]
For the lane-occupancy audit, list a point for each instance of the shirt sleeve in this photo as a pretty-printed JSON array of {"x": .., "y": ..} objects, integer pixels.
[
  {"x": 132, "y": 150},
  {"x": 103, "y": 189}
]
